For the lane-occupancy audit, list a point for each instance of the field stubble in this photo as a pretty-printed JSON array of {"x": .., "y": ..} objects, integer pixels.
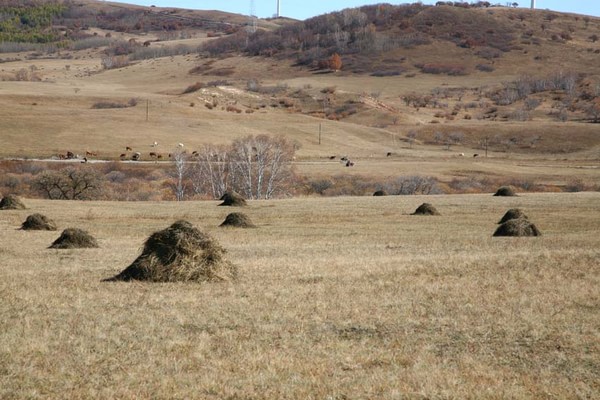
[{"x": 347, "y": 297}]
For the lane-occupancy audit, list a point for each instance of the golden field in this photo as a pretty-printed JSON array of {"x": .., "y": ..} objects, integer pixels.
[{"x": 338, "y": 298}]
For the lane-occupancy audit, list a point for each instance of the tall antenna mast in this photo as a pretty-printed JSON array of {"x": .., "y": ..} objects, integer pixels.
[
  {"x": 252, "y": 17},
  {"x": 532, "y": 4},
  {"x": 278, "y": 9}
]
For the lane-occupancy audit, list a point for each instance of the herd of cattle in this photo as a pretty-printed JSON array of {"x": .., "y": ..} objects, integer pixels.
[{"x": 132, "y": 155}]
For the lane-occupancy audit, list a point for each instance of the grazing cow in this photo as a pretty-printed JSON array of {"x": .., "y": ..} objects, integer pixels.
[
  {"x": 84, "y": 160},
  {"x": 159, "y": 156},
  {"x": 179, "y": 144},
  {"x": 195, "y": 153},
  {"x": 332, "y": 157},
  {"x": 154, "y": 144},
  {"x": 475, "y": 155},
  {"x": 153, "y": 154},
  {"x": 90, "y": 153},
  {"x": 123, "y": 155},
  {"x": 128, "y": 148},
  {"x": 461, "y": 154},
  {"x": 136, "y": 156},
  {"x": 349, "y": 163},
  {"x": 70, "y": 155},
  {"x": 389, "y": 154},
  {"x": 61, "y": 156}
]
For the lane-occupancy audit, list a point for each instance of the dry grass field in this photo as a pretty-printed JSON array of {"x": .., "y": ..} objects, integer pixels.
[{"x": 339, "y": 298}]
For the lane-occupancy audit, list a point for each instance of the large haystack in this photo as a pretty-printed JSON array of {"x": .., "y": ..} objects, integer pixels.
[
  {"x": 505, "y": 191},
  {"x": 513, "y": 213},
  {"x": 380, "y": 193},
  {"x": 38, "y": 222},
  {"x": 179, "y": 253},
  {"x": 232, "y": 199},
  {"x": 74, "y": 238},
  {"x": 11, "y": 202},
  {"x": 517, "y": 227},
  {"x": 238, "y": 220},
  {"x": 426, "y": 209}
]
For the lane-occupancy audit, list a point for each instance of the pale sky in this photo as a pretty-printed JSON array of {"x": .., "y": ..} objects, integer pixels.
[{"x": 302, "y": 9}]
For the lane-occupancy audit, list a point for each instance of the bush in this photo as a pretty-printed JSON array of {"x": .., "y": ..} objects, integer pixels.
[
  {"x": 193, "y": 88},
  {"x": 438, "y": 68}
]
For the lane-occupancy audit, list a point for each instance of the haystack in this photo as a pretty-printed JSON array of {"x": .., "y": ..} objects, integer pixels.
[
  {"x": 238, "y": 220},
  {"x": 11, "y": 202},
  {"x": 180, "y": 252},
  {"x": 232, "y": 199},
  {"x": 426, "y": 209},
  {"x": 74, "y": 238},
  {"x": 517, "y": 227},
  {"x": 38, "y": 222},
  {"x": 505, "y": 191},
  {"x": 380, "y": 193},
  {"x": 513, "y": 213}
]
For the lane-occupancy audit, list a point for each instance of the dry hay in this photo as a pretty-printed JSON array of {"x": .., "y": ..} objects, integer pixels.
[
  {"x": 380, "y": 193},
  {"x": 38, "y": 222},
  {"x": 179, "y": 253},
  {"x": 517, "y": 227},
  {"x": 238, "y": 220},
  {"x": 74, "y": 238},
  {"x": 513, "y": 213},
  {"x": 232, "y": 199},
  {"x": 426, "y": 209},
  {"x": 505, "y": 191},
  {"x": 11, "y": 202}
]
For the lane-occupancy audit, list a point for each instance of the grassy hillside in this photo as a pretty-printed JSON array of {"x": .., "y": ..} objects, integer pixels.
[{"x": 524, "y": 91}]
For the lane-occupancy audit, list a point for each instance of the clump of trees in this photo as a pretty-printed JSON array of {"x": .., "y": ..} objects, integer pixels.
[
  {"x": 70, "y": 184},
  {"x": 29, "y": 21},
  {"x": 258, "y": 167}
]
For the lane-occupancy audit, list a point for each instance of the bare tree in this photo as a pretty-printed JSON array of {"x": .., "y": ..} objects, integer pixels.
[
  {"x": 260, "y": 165},
  {"x": 412, "y": 136},
  {"x": 179, "y": 173},
  {"x": 211, "y": 171},
  {"x": 70, "y": 184}
]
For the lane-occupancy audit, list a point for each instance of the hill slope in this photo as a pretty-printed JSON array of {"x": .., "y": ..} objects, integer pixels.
[{"x": 421, "y": 80}]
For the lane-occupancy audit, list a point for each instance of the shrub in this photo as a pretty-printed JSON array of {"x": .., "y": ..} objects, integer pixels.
[
  {"x": 193, "y": 88},
  {"x": 438, "y": 68}
]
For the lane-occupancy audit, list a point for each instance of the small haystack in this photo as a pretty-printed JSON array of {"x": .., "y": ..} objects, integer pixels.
[
  {"x": 11, "y": 202},
  {"x": 517, "y": 227},
  {"x": 505, "y": 191},
  {"x": 38, "y": 222},
  {"x": 426, "y": 209},
  {"x": 380, "y": 193},
  {"x": 178, "y": 253},
  {"x": 238, "y": 220},
  {"x": 232, "y": 199},
  {"x": 74, "y": 238},
  {"x": 513, "y": 213}
]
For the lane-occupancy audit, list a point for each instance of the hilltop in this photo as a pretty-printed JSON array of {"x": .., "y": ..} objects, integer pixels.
[{"x": 419, "y": 83}]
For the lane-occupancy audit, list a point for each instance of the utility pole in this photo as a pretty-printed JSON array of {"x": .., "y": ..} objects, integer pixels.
[{"x": 320, "y": 129}]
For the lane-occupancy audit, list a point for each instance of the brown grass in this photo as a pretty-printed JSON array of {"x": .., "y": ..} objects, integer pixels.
[
  {"x": 11, "y": 202},
  {"x": 38, "y": 222},
  {"x": 513, "y": 213},
  {"x": 505, "y": 191},
  {"x": 517, "y": 227},
  {"x": 238, "y": 220},
  {"x": 340, "y": 297},
  {"x": 74, "y": 238},
  {"x": 178, "y": 253},
  {"x": 426, "y": 209},
  {"x": 232, "y": 199}
]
